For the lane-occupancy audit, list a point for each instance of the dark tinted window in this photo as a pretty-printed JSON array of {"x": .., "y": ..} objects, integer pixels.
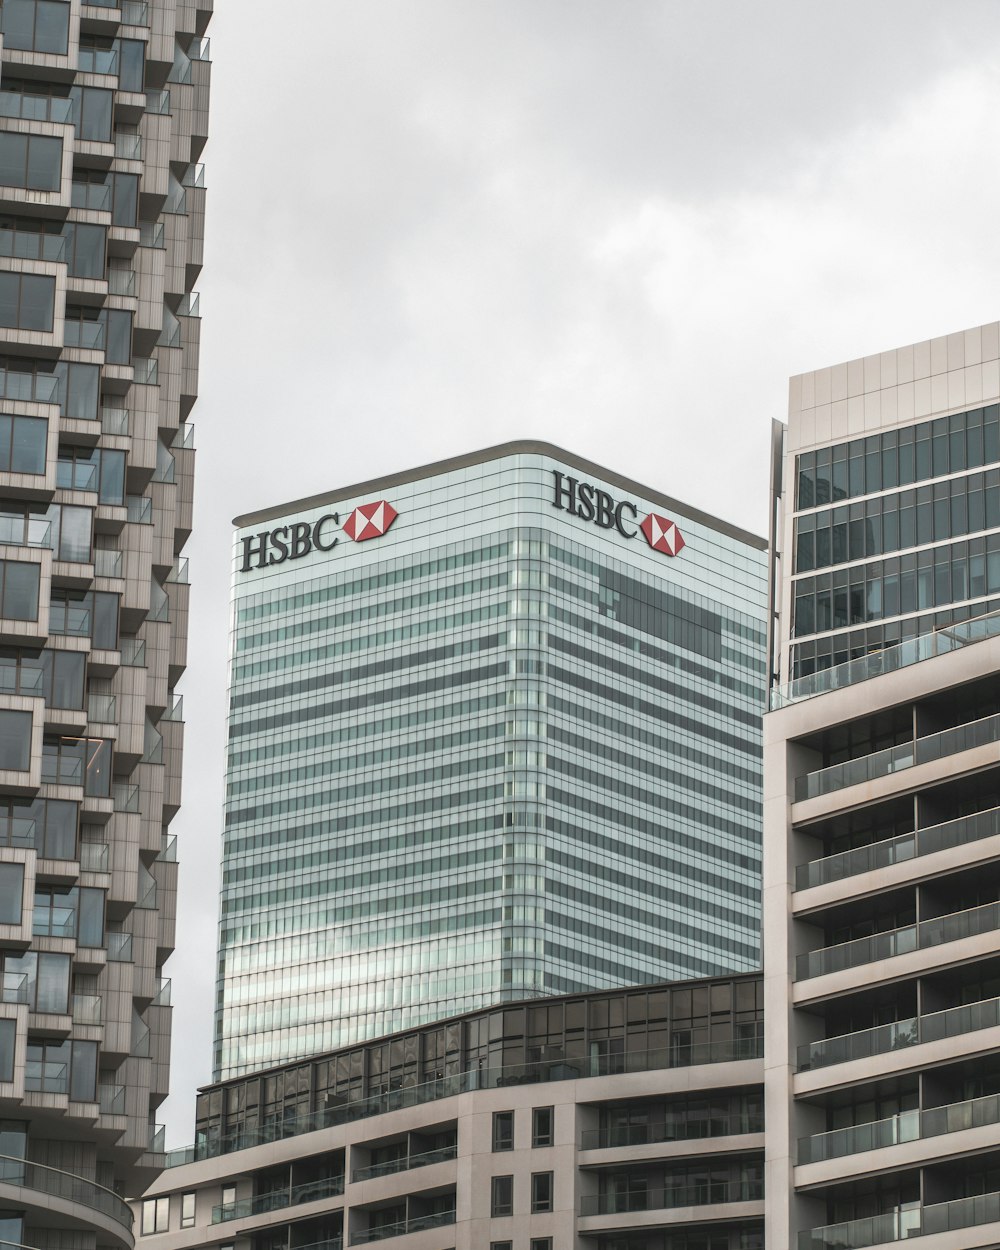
[
  {"x": 15, "y": 739},
  {"x": 35, "y": 25},
  {"x": 27, "y": 301}
]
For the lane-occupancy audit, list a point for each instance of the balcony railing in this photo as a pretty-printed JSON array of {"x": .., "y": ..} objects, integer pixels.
[
  {"x": 404, "y": 1164},
  {"x": 678, "y": 1056},
  {"x": 121, "y": 282},
  {"x": 866, "y": 950},
  {"x": 976, "y": 733},
  {"x": 27, "y": 245},
  {"x": 914, "y": 651},
  {"x": 900, "y": 1034},
  {"x": 899, "y": 849},
  {"x": 416, "y": 1225},
  {"x": 94, "y": 856},
  {"x": 133, "y": 652},
  {"x": 86, "y": 1008},
  {"x": 98, "y": 60},
  {"x": 120, "y": 948},
  {"x": 134, "y": 12},
  {"x": 65, "y": 1185},
  {"x": 107, "y": 562},
  {"x": 906, "y": 1126},
  {"x": 942, "y": 1217},
  {"x": 111, "y": 1099},
  {"x": 36, "y": 108},
  {"x": 25, "y": 531},
  {"x": 146, "y": 370},
  {"x": 102, "y": 708},
  {"x": 310, "y": 1191},
  {"x": 114, "y": 421},
  {"x": 668, "y": 1198},
  {"x": 163, "y": 989},
  {"x": 687, "y": 1129}
]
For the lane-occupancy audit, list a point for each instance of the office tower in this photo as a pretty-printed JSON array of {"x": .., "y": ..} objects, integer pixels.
[
  {"x": 882, "y": 805},
  {"x": 494, "y": 734},
  {"x": 614, "y": 1120},
  {"x": 103, "y": 111}
]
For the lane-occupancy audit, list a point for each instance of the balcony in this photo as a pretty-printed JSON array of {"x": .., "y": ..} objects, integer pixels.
[
  {"x": 111, "y": 1099},
  {"x": 120, "y": 948},
  {"x": 897, "y": 850},
  {"x": 665, "y": 1198},
  {"x": 404, "y": 1164},
  {"x": 416, "y": 1225},
  {"x": 310, "y": 1191},
  {"x": 866, "y": 950},
  {"x": 680, "y": 1130},
  {"x": 906, "y": 1126},
  {"x": 86, "y": 1008},
  {"x": 66, "y": 1186},
  {"x": 889, "y": 660},
  {"x": 976, "y": 733},
  {"x": 876, "y": 1230},
  {"x": 900, "y": 1035},
  {"x": 27, "y": 245}
]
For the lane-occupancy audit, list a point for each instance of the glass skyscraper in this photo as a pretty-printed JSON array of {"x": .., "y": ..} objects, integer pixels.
[{"x": 494, "y": 733}]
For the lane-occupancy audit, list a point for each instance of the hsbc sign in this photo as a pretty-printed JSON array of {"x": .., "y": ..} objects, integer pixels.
[
  {"x": 591, "y": 503},
  {"x": 291, "y": 542}
]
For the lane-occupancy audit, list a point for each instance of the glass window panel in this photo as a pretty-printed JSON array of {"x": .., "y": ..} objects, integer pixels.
[
  {"x": 15, "y": 739},
  {"x": 44, "y": 172},
  {"x": 98, "y": 777},
  {"x": 7, "y": 1042},
  {"x": 20, "y": 591},
  {"x": 83, "y": 1079},
  {"x": 52, "y": 987},
  {"x": 11, "y": 892},
  {"x": 13, "y": 156},
  {"x": 27, "y": 446}
]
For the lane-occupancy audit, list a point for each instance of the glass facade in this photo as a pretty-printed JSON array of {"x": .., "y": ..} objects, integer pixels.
[
  {"x": 895, "y": 535},
  {"x": 504, "y": 749}
]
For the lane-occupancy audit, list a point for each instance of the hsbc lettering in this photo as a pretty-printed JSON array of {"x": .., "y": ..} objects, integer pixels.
[
  {"x": 288, "y": 542},
  {"x": 590, "y": 503}
]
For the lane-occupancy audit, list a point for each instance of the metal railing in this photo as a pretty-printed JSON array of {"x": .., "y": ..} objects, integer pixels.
[
  {"x": 415, "y": 1225},
  {"x": 25, "y": 531},
  {"x": 65, "y": 1185},
  {"x": 405, "y": 1163},
  {"x": 309, "y": 1191},
  {"x": 866, "y": 950},
  {"x": 666, "y": 1197},
  {"x": 888, "y": 660},
  {"x": 976, "y": 733},
  {"x": 677, "y": 1056},
  {"x": 941, "y": 1217},
  {"x": 29, "y": 245},
  {"x": 36, "y": 108},
  {"x": 905, "y": 1126},
  {"x": 904, "y": 846},
  {"x": 900, "y": 1034}
]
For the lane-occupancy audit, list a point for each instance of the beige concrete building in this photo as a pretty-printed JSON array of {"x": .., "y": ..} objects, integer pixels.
[
  {"x": 624, "y": 1120},
  {"x": 882, "y": 804},
  {"x": 103, "y": 117}
]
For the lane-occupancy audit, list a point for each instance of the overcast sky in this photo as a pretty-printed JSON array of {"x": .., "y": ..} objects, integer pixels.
[{"x": 618, "y": 226}]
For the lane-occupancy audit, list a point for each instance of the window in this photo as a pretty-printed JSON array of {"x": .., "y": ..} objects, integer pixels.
[
  {"x": 541, "y": 1243},
  {"x": 92, "y": 113},
  {"x": 36, "y": 25},
  {"x": 27, "y": 301},
  {"x": 541, "y": 1126},
  {"x": 72, "y": 528},
  {"x": 22, "y": 444},
  {"x": 56, "y": 675},
  {"x": 18, "y": 590},
  {"x": 541, "y": 1192},
  {"x": 228, "y": 1195},
  {"x": 86, "y": 245},
  {"x": 155, "y": 1215},
  {"x": 15, "y": 740},
  {"x": 78, "y": 389},
  {"x": 30, "y": 161},
  {"x": 85, "y": 614},
  {"x": 47, "y": 825},
  {"x": 39, "y": 979},
  {"x": 8, "y": 1039},
  {"x": 75, "y": 912},
  {"x": 124, "y": 199},
  {"x": 11, "y": 890},
  {"x": 94, "y": 469},
  {"x": 503, "y": 1130},
  {"x": 502, "y": 1196},
  {"x": 501, "y": 1245},
  {"x": 78, "y": 761},
  {"x": 187, "y": 1210}
]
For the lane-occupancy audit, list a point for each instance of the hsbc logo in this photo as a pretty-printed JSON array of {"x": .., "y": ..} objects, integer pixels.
[
  {"x": 591, "y": 503},
  {"x": 292, "y": 542}
]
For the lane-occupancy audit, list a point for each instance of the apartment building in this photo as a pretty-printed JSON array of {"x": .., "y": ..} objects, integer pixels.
[
  {"x": 103, "y": 117},
  {"x": 622, "y": 1120},
  {"x": 494, "y": 733},
  {"x": 882, "y": 805}
]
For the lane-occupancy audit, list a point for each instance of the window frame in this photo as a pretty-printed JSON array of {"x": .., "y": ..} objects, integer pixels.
[
  {"x": 541, "y": 1140},
  {"x": 541, "y": 1204},
  {"x": 502, "y": 1132},
  {"x": 500, "y": 1206}
]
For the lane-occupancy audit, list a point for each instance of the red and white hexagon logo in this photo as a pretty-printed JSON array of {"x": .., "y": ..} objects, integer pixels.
[
  {"x": 662, "y": 534},
  {"x": 370, "y": 520}
]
